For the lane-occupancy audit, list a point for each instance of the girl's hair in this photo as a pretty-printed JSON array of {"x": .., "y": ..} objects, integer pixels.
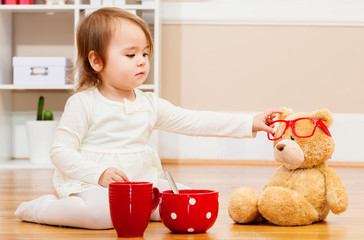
[{"x": 93, "y": 34}]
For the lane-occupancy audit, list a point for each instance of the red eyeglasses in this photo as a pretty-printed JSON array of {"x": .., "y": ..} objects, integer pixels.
[{"x": 301, "y": 132}]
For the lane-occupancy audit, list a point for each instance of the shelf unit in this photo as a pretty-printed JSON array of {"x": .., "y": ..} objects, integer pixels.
[{"x": 15, "y": 40}]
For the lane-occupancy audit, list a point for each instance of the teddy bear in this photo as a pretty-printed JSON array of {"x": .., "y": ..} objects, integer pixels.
[{"x": 303, "y": 189}]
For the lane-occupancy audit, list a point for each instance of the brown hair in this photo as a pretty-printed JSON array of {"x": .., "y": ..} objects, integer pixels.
[{"x": 93, "y": 34}]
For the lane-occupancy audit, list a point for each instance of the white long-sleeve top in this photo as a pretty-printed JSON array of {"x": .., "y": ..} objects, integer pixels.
[{"x": 95, "y": 133}]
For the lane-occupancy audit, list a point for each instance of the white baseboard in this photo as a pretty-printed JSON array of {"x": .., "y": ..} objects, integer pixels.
[{"x": 349, "y": 143}]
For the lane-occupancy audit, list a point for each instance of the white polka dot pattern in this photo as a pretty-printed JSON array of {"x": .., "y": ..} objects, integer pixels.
[{"x": 193, "y": 214}]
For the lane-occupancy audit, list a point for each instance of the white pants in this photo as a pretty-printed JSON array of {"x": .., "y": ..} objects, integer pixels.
[{"x": 88, "y": 209}]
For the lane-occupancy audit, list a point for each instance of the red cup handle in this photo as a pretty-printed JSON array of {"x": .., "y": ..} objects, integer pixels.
[{"x": 156, "y": 197}]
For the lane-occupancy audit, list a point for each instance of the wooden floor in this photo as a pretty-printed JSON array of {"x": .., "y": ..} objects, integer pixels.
[{"x": 17, "y": 185}]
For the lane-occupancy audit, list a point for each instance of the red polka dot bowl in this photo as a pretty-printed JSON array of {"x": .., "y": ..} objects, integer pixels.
[{"x": 190, "y": 211}]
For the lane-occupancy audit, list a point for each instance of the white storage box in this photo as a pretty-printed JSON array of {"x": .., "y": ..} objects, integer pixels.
[{"x": 41, "y": 70}]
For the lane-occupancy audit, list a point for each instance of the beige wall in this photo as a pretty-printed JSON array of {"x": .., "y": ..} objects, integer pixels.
[{"x": 253, "y": 68}]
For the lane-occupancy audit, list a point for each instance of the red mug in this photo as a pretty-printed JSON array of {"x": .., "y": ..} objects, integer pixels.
[{"x": 131, "y": 204}]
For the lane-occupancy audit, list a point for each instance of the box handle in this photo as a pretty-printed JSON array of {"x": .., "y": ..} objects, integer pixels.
[{"x": 39, "y": 71}]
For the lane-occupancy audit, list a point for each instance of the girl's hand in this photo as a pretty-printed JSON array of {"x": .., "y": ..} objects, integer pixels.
[
  {"x": 262, "y": 120},
  {"x": 112, "y": 175}
]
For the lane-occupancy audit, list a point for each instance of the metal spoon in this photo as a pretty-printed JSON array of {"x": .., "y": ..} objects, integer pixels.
[{"x": 172, "y": 183}]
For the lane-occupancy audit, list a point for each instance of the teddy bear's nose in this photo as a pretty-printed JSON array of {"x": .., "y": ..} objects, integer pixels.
[{"x": 281, "y": 146}]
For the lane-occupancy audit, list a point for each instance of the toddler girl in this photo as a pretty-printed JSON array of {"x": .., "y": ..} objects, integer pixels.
[{"x": 103, "y": 133}]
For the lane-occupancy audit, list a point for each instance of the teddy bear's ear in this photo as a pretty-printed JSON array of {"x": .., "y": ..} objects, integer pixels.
[
  {"x": 285, "y": 113},
  {"x": 325, "y": 116}
]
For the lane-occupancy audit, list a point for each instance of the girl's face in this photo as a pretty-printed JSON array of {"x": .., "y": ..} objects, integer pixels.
[{"x": 127, "y": 63}]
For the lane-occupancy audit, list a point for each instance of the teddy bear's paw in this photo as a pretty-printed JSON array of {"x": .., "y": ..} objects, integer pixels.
[
  {"x": 243, "y": 206},
  {"x": 286, "y": 207}
]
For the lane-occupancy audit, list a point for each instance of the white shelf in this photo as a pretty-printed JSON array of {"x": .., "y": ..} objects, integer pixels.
[
  {"x": 38, "y": 8},
  {"x": 30, "y": 87},
  {"x": 55, "y": 87}
]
